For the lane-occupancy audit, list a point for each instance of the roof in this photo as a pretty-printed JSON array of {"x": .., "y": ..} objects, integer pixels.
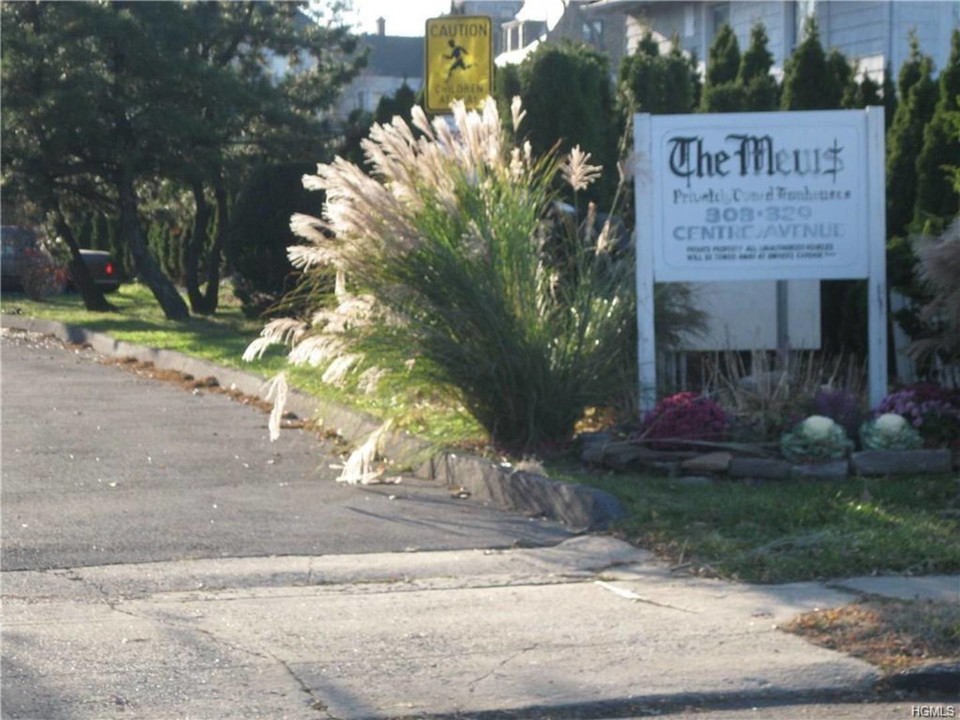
[
  {"x": 613, "y": 5},
  {"x": 394, "y": 56},
  {"x": 549, "y": 11}
]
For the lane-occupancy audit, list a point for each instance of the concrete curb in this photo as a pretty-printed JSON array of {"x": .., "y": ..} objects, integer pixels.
[
  {"x": 942, "y": 678},
  {"x": 581, "y": 508}
]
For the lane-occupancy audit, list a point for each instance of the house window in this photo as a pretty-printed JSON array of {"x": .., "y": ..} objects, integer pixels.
[
  {"x": 593, "y": 32},
  {"x": 688, "y": 21}
]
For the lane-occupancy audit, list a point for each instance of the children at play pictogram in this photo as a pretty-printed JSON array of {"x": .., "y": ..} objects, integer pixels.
[{"x": 457, "y": 53}]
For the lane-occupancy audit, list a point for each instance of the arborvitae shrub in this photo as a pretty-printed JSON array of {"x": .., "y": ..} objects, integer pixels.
[{"x": 260, "y": 232}]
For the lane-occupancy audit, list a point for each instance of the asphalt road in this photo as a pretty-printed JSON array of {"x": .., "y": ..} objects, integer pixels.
[{"x": 101, "y": 466}]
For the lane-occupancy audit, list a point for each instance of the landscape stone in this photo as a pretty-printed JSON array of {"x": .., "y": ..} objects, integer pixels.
[
  {"x": 715, "y": 462},
  {"x": 765, "y": 468},
  {"x": 618, "y": 455},
  {"x": 833, "y": 470},
  {"x": 670, "y": 469},
  {"x": 901, "y": 462}
]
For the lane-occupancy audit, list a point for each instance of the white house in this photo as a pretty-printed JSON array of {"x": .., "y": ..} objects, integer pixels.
[
  {"x": 392, "y": 61},
  {"x": 873, "y": 32}
]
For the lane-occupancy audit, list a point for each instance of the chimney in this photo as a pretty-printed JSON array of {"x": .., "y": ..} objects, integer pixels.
[{"x": 381, "y": 26}]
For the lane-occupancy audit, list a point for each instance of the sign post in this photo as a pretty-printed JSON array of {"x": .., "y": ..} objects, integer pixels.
[
  {"x": 459, "y": 61},
  {"x": 760, "y": 196}
]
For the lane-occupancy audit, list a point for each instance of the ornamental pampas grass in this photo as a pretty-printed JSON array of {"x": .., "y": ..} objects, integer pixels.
[
  {"x": 939, "y": 268},
  {"x": 439, "y": 256}
]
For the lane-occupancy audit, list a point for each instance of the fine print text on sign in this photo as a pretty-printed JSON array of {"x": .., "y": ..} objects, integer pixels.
[
  {"x": 767, "y": 196},
  {"x": 459, "y": 61}
]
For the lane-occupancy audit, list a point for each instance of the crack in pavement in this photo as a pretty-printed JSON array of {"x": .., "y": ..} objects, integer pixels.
[
  {"x": 522, "y": 651},
  {"x": 316, "y": 702}
]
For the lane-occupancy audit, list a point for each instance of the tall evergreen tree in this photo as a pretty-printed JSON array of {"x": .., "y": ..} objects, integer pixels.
[
  {"x": 759, "y": 87},
  {"x": 659, "y": 84},
  {"x": 918, "y": 97},
  {"x": 569, "y": 100},
  {"x": 937, "y": 200},
  {"x": 889, "y": 97},
  {"x": 808, "y": 81},
  {"x": 683, "y": 78},
  {"x": 723, "y": 61},
  {"x": 868, "y": 93},
  {"x": 506, "y": 86},
  {"x": 721, "y": 90},
  {"x": 842, "y": 83},
  {"x": 399, "y": 104}
]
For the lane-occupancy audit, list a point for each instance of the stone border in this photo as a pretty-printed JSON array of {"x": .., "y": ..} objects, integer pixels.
[
  {"x": 619, "y": 455},
  {"x": 579, "y": 507}
]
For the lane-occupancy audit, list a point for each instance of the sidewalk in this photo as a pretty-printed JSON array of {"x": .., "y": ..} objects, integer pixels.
[{"x": 591, "y": 626}]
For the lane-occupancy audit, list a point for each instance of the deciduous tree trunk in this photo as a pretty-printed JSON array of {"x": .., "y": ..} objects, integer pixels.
[
  {"x": 212, "y": 291},
  {"x": 93, "y": 298},
  {"x": 174, "y": 308},
  {"x": 194, "y": 246},
  {"x": 205, "y": 302}
]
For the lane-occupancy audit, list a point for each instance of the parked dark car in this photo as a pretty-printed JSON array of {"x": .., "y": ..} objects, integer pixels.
[{"x": 102, "y": 268}]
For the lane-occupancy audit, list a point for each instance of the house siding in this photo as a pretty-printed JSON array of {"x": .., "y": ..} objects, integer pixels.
[{"x": 874, "y": 31}]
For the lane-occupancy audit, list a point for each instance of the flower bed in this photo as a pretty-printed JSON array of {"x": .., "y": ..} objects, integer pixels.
[{"x": 914, "y": 430}]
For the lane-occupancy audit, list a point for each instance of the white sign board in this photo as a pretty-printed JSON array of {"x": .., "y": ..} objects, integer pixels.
[
  {"x": 768, "y": 196},
  {"x": 761, "y": 196}
]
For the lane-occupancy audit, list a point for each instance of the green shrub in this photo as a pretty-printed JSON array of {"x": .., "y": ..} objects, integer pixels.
[{"x": 260, "y": 233}]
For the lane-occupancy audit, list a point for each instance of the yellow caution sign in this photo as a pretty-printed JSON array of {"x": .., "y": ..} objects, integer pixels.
[{"x": 459, "y": 61}]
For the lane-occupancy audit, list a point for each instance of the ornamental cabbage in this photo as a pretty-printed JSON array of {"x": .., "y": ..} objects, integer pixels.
[
  {"x": 889, "y": 431},
  {"x": 816, "y": 439}
]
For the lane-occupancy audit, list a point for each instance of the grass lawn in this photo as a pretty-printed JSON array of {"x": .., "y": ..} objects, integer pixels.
[
  {"x": 774, "y": 532},
  {"x": 787, "y": 531}
]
